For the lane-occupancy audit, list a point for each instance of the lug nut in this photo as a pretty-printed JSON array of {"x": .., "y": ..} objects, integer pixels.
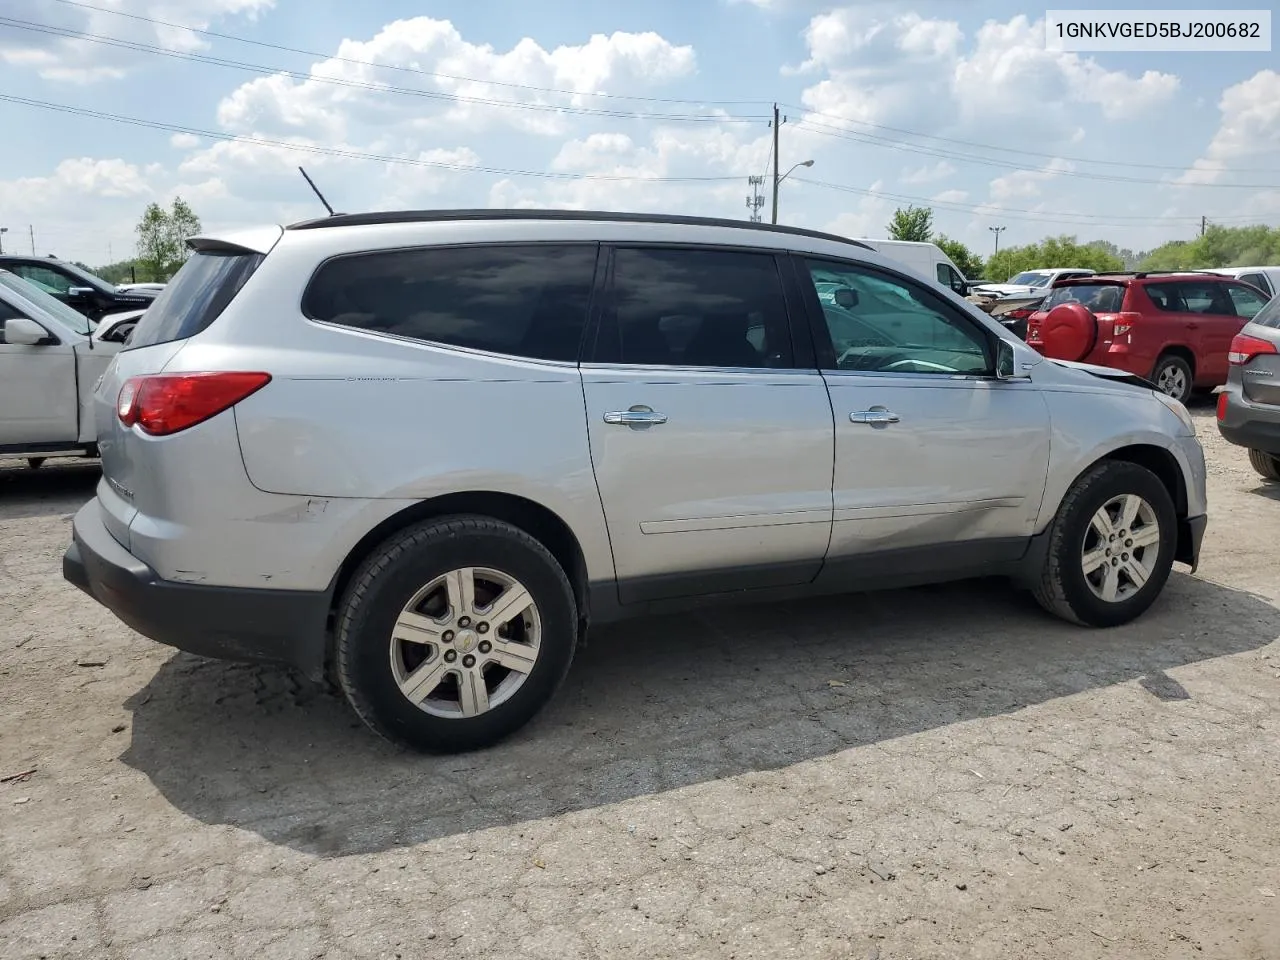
[
  {"x": 448, "y": 636},
  {"x": 482, "y": 627},
  {"x": 1128, "y": 543},
  {"x": 1125, "y": 558},
  {"x": 450, "y": 656},
  {"x": 464, "y": 622},
  {"x": 485, "y": 646},
  {"x": 468, "y": 661}
]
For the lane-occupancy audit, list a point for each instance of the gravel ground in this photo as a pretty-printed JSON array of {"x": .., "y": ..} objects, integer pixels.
[{"x": 931, "y": 773}]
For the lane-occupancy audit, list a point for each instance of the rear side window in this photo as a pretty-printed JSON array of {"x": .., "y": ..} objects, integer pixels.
[
  {"x": 698, "y": 308},
  {"x": 1269, "y": 316},
  {"x": 1259, "y": 280},
  {"x": 195, "y": 297},
  {"x": 1097, "y": 297},
  {"x": 525, "y": 301}
]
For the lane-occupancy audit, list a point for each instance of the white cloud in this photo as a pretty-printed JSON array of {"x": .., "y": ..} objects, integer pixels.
[
  {"x": 184, "y": 141},
  {"x": 64, "y": 56},
  {"x": 345, "y": 92},
  {"x": 1026, "y": 183},
  {"x": 951, "y": 196},
  {"x": 1248, "y": 132},
  {"x": 929, "y": 173}
]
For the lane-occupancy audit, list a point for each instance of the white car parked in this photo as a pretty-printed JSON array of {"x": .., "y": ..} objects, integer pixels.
[
  {"x": 1031, "y": 282},
  {"x": 50, "y": 358}
]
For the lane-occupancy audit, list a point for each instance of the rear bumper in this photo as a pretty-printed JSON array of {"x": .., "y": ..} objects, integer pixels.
[
  {"x": 1246, "y": 425},
  {"x": 226, "y": 623}
]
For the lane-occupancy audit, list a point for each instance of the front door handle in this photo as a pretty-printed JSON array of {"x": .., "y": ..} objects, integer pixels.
[
  {"x": 873, "y": 416},
  {"x": 637, "y": 416}
]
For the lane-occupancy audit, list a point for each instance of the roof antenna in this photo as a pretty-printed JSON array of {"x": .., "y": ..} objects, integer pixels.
[{"x": 311, "y": 184}]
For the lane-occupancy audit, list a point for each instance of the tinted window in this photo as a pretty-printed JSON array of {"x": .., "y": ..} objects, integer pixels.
[
  {"x": 195, "y": 297},
  {"x": 1098, "y": 297},
  {"x": 879, "y": 322},
  {"x": 702, "y": 308},
  {"x": 1247, "y": 302},
  {"x": 50, "y": 281},
  {"x": 1205, "y": 296},
  {"x": 1165, "y": 296},
  {"x": 528, "y": 301},
  {"x": 6, "y": 313},
  {"x": 1259, "y": 280},
  {"x": 1270, "y": 314},
  {"x": 46, "y": 302}
]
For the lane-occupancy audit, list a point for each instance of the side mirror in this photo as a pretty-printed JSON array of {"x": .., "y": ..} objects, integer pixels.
[
  {"x": 26, "y": 333},
  {"x": 1007, "y": 362},
  {"x": 81, "y": 293}
]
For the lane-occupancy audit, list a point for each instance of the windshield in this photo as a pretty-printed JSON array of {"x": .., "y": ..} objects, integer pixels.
[
  {"x": 49, "y": 304},
  {"x": 1098, "y": 297},
  {"x": 1030, "y": 278}
]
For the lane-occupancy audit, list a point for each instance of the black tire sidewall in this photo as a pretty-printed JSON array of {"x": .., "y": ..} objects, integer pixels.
[
  {"x": 1118, "y": 479},
  {"x": 1174, "y": 360},
  {"x": 368, "y": 618}
]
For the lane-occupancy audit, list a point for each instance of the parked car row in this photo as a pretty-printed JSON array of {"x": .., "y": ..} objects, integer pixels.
[{"x": 422, "y": 453}]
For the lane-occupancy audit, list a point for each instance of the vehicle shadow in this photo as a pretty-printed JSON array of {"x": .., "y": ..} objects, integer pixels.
[
  {"x": 60, "y": 485},
  {"x": 1268, "y": 491},
  {"x": 656, "y": 705}
]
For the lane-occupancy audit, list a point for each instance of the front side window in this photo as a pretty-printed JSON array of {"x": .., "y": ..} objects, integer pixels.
[
  {"x": 46, "y": 302},
  {"x": 524, "y": 301},
  {"x": 699, "y": 308},
  {"x": 1030, "y": 278},
  {"x": 880, "y": 323},
  {"x": 50, "y": 281},
  {"x": 1246, "y": 302},
  {"x": 6, "y": 313}
]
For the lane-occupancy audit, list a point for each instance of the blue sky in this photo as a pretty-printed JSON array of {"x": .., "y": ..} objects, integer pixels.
[{"x": 952, "y": 104}]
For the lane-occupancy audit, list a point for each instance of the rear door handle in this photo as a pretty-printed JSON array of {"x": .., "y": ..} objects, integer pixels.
[
  {"x": 637, "y": 416},
  {"x": 873, "y": 416}
]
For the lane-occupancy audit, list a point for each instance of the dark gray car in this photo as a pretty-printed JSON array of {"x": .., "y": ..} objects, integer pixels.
[{"x": 1249, "y": 405}]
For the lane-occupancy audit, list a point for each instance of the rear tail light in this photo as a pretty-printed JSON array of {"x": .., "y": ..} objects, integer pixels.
[
  {"x": 1222, "y": 406},
  {"x": 1022, "y": 313},
  {"x": 1124, "y": 323},
  {"x": 169, "y": 403},
  {"x": 1244, "y": 348}
]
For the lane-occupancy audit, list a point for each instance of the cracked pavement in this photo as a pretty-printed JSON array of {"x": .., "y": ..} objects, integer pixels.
[{"x": 943, "y": 772}]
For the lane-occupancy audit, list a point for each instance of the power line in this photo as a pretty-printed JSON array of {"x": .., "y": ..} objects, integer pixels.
[
  {"x": 403, "y": 69},
  {"x": 350, "y": 154},
  {"x": 1028, "y": 153},
  {"x": 829, "y": 131},
  {"x": 371, "y": 86},
  {"x": 1047, "y": 216}
]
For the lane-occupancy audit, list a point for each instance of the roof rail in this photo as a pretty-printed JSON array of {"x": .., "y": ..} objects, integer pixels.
[{"x": 438, "y": 216}]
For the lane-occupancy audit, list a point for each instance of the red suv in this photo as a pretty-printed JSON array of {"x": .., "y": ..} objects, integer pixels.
[{"x": 1173, "y": 329}]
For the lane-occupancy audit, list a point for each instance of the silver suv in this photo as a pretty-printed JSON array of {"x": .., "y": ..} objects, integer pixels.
[{"x": 421, "y": 453}]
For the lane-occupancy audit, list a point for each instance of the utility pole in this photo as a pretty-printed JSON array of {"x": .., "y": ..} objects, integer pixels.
[
  {"x": 996, "y": 231},
  {"x": 32, "y": 230},
  {"x": 1204, "y": 223},
  {"x": 777, "y": 122},
  {"x": 756, "y": 200}
]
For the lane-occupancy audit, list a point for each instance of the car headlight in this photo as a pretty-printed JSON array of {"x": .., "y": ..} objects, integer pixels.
[{"x": 1178, "y": 409}]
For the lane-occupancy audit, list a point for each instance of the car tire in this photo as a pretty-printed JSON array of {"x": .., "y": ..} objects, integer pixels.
[
  {"x": 1172, "y": 376},
  {"x": 1267, "y": 466},
  {"x": 1081, "y": 582},
  {"x": 402, "y": 659}
]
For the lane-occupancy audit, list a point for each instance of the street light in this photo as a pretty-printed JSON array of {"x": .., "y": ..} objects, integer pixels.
[
  {"x": 996, "y": 231},
  {"x": 3, "y": 231},
  {"x": 777, "y": 181}
]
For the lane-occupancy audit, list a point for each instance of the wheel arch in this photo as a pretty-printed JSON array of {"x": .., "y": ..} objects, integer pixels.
[
  {"x": 1182, "y": 351},
  {"x": 541, "y": 523}
]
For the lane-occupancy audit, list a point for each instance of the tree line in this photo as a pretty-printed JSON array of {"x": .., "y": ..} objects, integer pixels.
[{"x": 1253, "y": 246}]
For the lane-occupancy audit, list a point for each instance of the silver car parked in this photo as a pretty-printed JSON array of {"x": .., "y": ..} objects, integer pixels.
[
  {"x": 1249, "y": 405},
  {"x": 423, "y": 452}
]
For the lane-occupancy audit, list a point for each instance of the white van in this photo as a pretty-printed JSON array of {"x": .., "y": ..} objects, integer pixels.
[{"x": 926, "y": 259}]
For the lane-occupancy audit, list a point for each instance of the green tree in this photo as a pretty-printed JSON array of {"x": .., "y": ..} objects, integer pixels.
[
  {"x": 1061, "y": 251},
  {"x": 1254, "y": 246},
  {"x": 122, "y": 272},
  {"x": 970, "y": 263},
  {"x": 162, "y": 239},
  {"x": 913, "y": 223}
]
